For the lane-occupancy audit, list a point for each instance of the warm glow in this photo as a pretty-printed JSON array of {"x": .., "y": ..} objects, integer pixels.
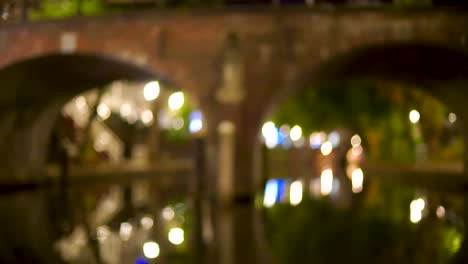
[
  {"x": 151, "y": 250},
  {"x": 355, "y": 140},
  {"x": 326, "y": 148},
  {"x": 357, "y": 179},
  {"x": 440, "y": 212},
  {"x": 125, "y": 231},
  {"x": 414, "y": 116},
  {"x": 103, "y": 111},
  {"x": 151, "y": 91},
  {"x": 146, "y": 222},
  {"x": 177, "y": 123},
  {"x": 452, "y": 118},
  {"x": 168, "y": 213},
  {"x": 176, "y": 236},
  {"x": 147, "y": 117},
  {"x": 326, "y": 182},
  {"x": 103, "y": 232},
  {"x": 176, "y": 101},
  {"x": 295, "y": 133},
  {"x": 125, "y": 110},
  {"x": 295, "y": 193}
]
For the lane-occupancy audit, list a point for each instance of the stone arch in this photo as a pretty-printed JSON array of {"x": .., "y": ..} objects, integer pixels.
[
  {"x": 439, "y": 71},
  {"x": 34, "y": 91}
]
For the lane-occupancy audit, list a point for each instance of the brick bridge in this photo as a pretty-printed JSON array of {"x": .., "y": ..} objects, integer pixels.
[{"x": 237, "y": 65}]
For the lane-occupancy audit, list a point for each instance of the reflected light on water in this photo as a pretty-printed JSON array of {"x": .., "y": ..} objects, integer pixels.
[
  {"x": 295, "y": 193},
  {"x": 326, "y": 182}
]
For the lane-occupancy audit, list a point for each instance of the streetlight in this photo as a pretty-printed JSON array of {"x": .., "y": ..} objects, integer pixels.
[
  {"x": 414, "y": 116},
  {"x": 151, "y": 91}
]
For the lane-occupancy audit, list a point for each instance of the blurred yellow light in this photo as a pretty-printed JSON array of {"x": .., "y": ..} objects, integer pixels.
[
  {"x": 151, "y": 91},
  {"x": 147, "y": 117},
  {"x": 295, "y": 193},
  {"x": 168, "y": 213},
  {"x": 355, "y": 140},
  {"x": 146, "y": 222},
  {"x": 295, "y": 133},
  {"x": 452, "y": 118},
  {"x": 326, "y": 148},
  {"x": 125, "y": 110},
  {"x": 440, "y": 211},
  {"x": 151, "y": 250},
  {"x": 176, "y": 101},
  {"x": 414, "y": 116},
  {"x": 326, "y": 182},
  {"x": 103, "y": 111},
  {"x": 176, "y": 236},
  {"x": 357, "y": 179}
]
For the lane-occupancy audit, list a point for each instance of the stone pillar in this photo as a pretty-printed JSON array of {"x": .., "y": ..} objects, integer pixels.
[
  {"x": 26, "y": 232},
  {"x": 234, "y": 205}
]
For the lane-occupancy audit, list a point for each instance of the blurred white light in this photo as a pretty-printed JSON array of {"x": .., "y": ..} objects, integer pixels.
[
  {"x": 176, "y": 101},
  {"x": 295, "y": 133},
  {"x": 357, "y": 179},
  {"x": 414, "y": 116},
  {"x": 295, "y": 193},
  {"x": 452, "y": 118},
  {"x": 440, "y": 211},
  {"x": 326, "y": 148},
  {"x": 80, "y": 102},
  {"x": 196, "y": 122},
  {"x": 176, "y": 236},
  {"x": 132, "y": 117},
  {"x": 125, "y": 110},
  {"x": 147, "y": 117},
  {"x": 168, "y": 213},
  {"x": 355, "y": 140},
  {"x": 416, "y": 209},
  {"x": 326, "y": 182},
  {"x": 316, "y": 139},
  {"x": 151, "y": 250},
  {"x": 103, "y": 111},
  {"x": 271, "y": 191},
  {"x": 125, "y": 231},
  {"x": 103, "y": 233},
  {"x": 151, "y": 91},
  {"x": 146, "y": 222},
  {"x": 270, "y": 134},
  {"x": 415, "y": 216},
  {"x": 177, "y": 123},
  {"x": 418, "y": 204},
  {"x": 334, "y": 138}
]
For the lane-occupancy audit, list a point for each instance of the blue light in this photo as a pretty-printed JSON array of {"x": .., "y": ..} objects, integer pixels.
[
  {"x": 141, "y": 261},
  {"x": 280, "y": 137},
  {"x": 196, "y": 122},
  {"x": 280, "y": 189},
  {"x": 274, "y": 192}
]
